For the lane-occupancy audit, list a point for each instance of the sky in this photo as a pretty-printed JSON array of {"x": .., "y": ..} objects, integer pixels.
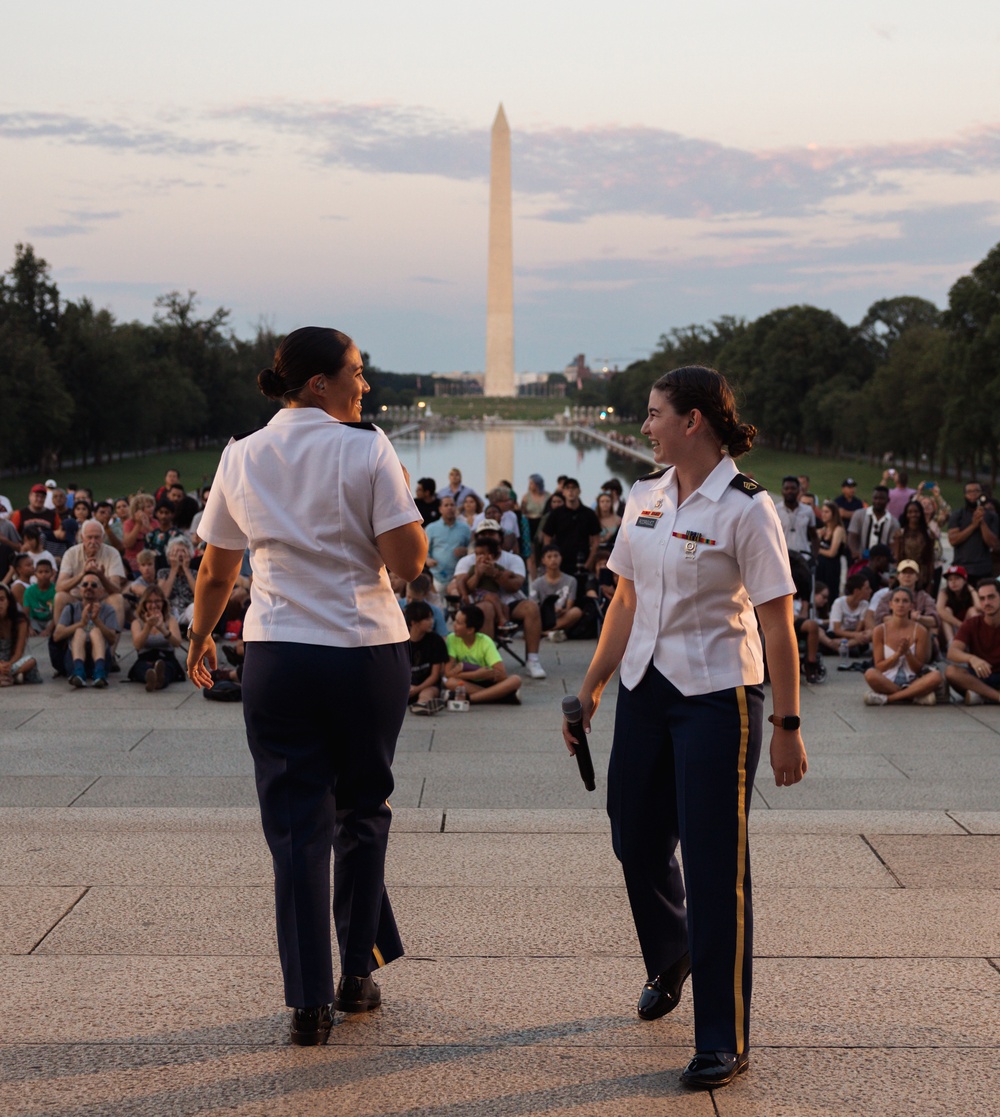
[{"x": 318, "y": 164}]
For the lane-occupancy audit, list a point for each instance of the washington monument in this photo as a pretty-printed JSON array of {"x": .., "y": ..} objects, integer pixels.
[{"x": 500, "y": 268}]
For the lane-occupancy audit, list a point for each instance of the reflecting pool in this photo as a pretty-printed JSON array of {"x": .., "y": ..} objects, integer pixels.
[{"x": 488, "y": 456}]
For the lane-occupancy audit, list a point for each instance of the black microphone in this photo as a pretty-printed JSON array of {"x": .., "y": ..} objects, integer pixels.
[{"x": 572, "y": 710}]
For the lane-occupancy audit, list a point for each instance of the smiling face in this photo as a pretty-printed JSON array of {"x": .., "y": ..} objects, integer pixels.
[
  {"x": 663, "y": 427},
  {"x": 345, "y": 390}
]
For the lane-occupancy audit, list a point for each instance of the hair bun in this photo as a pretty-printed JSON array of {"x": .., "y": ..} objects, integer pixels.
[{"x": 270, "y": 383}]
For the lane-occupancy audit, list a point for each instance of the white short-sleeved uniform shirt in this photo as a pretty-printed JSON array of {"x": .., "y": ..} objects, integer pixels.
[
  {"x": 309, "y": 495},
  {"x": 506, "y": 561},
  {"x": 698, "y": 572}
]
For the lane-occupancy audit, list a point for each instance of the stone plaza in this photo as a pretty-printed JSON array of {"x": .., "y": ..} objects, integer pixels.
[{"x": 139, "y": 971}]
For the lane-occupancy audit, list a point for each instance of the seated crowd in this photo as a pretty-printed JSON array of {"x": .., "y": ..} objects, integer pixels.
[
  {"x": 78, "y": 572},
  {"x": 872, "y": 587}
]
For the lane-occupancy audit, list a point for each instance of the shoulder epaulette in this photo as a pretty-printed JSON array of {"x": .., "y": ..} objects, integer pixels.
[
  {"x": 245, "y": 434},
  {"x": 746, "y": 485},
  {"x": 654, "y": 476},
  {"x": 361, "y": 426}
]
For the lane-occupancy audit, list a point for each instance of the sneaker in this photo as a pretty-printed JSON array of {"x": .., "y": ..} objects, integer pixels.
[
  {"x": 926, "y": 699},
  {"x": 150, "y": 680},
  {"x": 536, "y": 670},
  {"x": 435, "y": 706},
  {"x": 419, "y": 708},
  {"x": 873, "y": 699},
  {"x": 100, "y": 681},
  {"x": 77, "y": 681},
  {"x": 511, "y": 699},
  {"x": 813, "y": 674},
  {"x": 556, "y": 636},
  {"x": 973, "y": 699}
]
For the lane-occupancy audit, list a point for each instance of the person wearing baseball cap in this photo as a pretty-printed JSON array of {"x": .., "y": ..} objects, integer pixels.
[
  {"x": 508, "y": 571},
  {"x": 45, "y": 519},
  {"x": 924, "y": 610},
  {"x": 956, "y": 600},
  {"x": 848, "y": 502}
]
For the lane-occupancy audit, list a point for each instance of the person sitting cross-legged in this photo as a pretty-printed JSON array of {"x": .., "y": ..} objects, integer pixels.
[
  {"x": 91, "y": 627},
  {"x": 474, "y": 662},
  {"x": 901, "y": 646},
  {"x": 155, "y": 636},
  {"x": 556, "y": 595},
  {"x": 490, "y": 566},
  {"x": 428, "y": 656},
  {"x": 849, "y": 615},
  {"x": 974, "y": 669}
]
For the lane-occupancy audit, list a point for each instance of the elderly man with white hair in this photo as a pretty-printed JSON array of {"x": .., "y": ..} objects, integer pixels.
[{"x": 91, "y": 556}]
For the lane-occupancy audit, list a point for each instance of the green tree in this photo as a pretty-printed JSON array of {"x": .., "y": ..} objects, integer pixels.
[
  {"x": 971, "y": 412},
  {"x": 29, "y": 300}
]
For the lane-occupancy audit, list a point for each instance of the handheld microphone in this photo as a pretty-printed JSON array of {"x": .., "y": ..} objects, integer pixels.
[{"x": 572, "y": 710}]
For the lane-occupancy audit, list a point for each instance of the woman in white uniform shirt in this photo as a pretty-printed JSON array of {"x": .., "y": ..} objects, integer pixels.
[
  {"x": 699, "y": 547},
  {"x": 324, "y": 505}
]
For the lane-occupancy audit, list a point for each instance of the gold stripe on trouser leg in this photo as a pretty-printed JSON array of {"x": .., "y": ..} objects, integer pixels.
[
  {"x": 741, "y": 858},
  {"x": 379, "y": 960}
]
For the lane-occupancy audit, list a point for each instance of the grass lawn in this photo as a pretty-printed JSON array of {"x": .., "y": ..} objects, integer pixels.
[{"x": 197, "y": 467}]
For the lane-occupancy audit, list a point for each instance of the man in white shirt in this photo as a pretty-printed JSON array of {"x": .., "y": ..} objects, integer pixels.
[
  {"x": 92, "y": 556},
  {"x": 509, "y": 572},
  {"x": 798, "y": 523},
  {"x": 871, "y": 526},
  {"x": 850, "y": 617}
]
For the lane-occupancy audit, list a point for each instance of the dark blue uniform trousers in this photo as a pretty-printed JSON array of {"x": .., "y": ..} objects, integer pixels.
[
  {"x": 682, "y": 770},
  {"x": 322, "y": 726}
]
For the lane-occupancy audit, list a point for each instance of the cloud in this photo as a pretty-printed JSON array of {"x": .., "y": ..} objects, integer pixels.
[
  {"x": 80, "y": 221},
  {"x": 109, "y": 135},
  {"x": 58, "y": 230},
  {"x": 577, "y": 173},
  {"x": 561, "y": 175}
]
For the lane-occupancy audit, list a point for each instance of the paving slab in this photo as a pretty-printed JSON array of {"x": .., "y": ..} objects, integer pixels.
[
  {"x": 876, "y": 1082},
  {"x": 166, "y": 791},
  {"x": 906, "y": 794},
  {"x": 936, "y": 861},
  {"x": 42, "y": 791},
  {"x": 852, "y": 822},
  {"x": 978, "y": 822},
  {"x": 27, "y": 914},
  {"x": 877, "y": 922},
  {"x": 415, "y": 1082}
]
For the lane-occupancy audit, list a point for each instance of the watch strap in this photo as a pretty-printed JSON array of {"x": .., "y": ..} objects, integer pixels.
[{"x": 790, "y": 722}]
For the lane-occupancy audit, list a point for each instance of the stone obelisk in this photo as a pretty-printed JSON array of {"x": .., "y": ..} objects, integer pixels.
[{"x": 500, "y": 268}]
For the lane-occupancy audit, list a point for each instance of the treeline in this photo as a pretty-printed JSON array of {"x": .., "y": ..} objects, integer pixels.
[
  {"x": 77, "y": 386},
  {"x": 910, "y": 380}
]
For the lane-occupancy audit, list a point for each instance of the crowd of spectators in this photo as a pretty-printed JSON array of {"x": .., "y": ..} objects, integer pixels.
[
  {"x": 876, "y": 585},
  {"x": 79, "y": 572},
  {"x": 874, "y": 590}
]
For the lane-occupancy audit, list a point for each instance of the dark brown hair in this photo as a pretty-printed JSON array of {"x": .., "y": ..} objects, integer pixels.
[
  {"x": 304, "y": 353},
  {"x": 696, "y": 387}
]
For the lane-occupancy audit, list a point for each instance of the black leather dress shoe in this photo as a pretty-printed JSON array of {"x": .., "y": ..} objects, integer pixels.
[
  {"x": 663, "y": 993},
  {"x": 311, "y": 1026},
  {"x": 357, "y": 994},
  {"x": 714, "y": 1068}
]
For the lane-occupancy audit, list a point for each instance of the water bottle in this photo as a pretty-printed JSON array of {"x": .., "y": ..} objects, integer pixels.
[
  {"x": 461, "y": 695},
  {"x": 845, "y": 656}
]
